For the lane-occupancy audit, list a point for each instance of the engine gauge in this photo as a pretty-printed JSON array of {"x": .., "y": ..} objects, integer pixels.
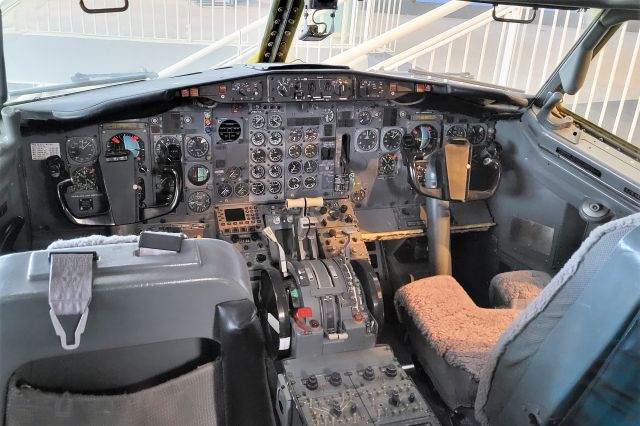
[
  {"x": 168, "y": 147},
  {"x": 477, "y": 134},
  {"x": 197, "y": 146},
  {"x": 425, "y": 137},
  {"x": 328, "y": 115},
  {"x": 225, "y": 190},
  {"x": 257, "y": 172},
  {"x": 257, "y": 188},
  {"x": 275, "y": 120},
  {"x": 310, "y": 150},
  {"x": 294, "y": 183},
  {"x": 295, "y": 135},
  {"x": 275, "y": 186},
  {"x": 275, "y": 154},
  {"x": 392, "y": 139},
  {"x": 294, "y": 151},
  {"x": 387, "y": 164},
  {"x": 367, "y": 140},
  {"x": 364, "y": 117},
  {"x": 275, "y": 171},
  {"x": 294, "y": 167},
  {"x": 275, "y": 138},
  {"x": 258, "y": 121},
  {"x": 198, "y": 175},
  {"x": 124, "y": 143},
  {"x": 258, "y": 138},
  {"x": 233, "y": 173},
  {"x": 310, "y": 182},
  {"x": 311, "y": 134},
  {"x": 82, "y": 149},
  {"x": 310, "y": 166},
  {"x": 84, "y": 178},
  {"x": 258, "y": 155},
  {"x": 457, "y": 131},
  {"x": 242, "y": 189},
  {"x": 199, "y": 201}
]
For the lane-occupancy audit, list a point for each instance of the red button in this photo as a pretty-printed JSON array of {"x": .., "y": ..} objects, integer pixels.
[
  {"x": 358, "y": 317},
  {"x": 305, "y": 312}
]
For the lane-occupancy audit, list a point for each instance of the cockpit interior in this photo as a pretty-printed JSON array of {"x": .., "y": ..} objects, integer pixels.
[{"x": 287, "y": 243}]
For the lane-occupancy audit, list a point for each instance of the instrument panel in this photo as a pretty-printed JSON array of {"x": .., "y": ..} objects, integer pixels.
[{"x": 260, "y": 141}]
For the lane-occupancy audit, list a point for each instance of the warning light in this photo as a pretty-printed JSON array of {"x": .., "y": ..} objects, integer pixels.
[
  {"x": 393, "y": 87},
  {"x": 222, "y": 89},
  {"x": 194, "y": 92},
  {"x": 421, "y": 87},
  {"x": 304, "y": 312},
  {"x": 184, "y": 93}
]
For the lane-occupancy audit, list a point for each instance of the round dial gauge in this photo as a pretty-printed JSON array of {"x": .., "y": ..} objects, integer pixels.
[
  {"x": 242, "y": 189},
  {"x": 294, "y": 167},
  {"x": 294, "y": 183},
  {"x": 310, "y": 151},
  {"x": 425, "y": 137},
  {"x": 229, "y": 130},
  {"x": 257, "y": 172},
  {"x": 294, "y": 151},
  {"x": 295, "y": 135},
  {"x": 168, "y": 147},
  {"x": 123, "y": 143},
  {"x": 387, "y": 164},
  {"x": 310, "y": 182},
  {"x": 198, "y": 175},
  {"x": 225, "y": 190},
  {"x": 275, "y": 120},
  {"x": 275, "y": 154},
  {"x": 197, "y": 146},
  {"x": 367, "y": 140},
  {"x": 457, "y": 131},
  {"x": 258, "y": 138},
  {"x": 84, "y": 178},
  {"x": 392, "y": 139},
  {"x": 477, "y": 134},
  {"x": 233, "y": 173},
  {"x": 275, "y": 171},
  {"x": 275, "y": 186},
  {"x": 275, "y": 138},
  {"x": 358, "y": 196},
  {"x": 328, "y": 115},
  {"x": 310, "y": 166},
  {"x": 364, "y": 117},
  {"x": 199, "y": 201},
  {"x": 257, "y": 188},
  {"x": 258, "y": 156},
  {"x": 311, "y": 134},
  {"x": 82, "y": 150},
  {"x": 258, "y": 121}
]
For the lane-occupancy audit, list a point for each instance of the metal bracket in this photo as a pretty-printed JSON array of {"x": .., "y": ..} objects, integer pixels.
[
  {"x": 514, "y": 21},
  {"x": 122, "y": 8}
]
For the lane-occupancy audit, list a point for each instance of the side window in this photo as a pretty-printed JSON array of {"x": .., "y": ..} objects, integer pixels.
[{"x": 611, "y": 93}]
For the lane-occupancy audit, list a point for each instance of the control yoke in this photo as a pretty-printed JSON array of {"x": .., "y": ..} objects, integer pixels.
[{"x": 445, "y": 173}]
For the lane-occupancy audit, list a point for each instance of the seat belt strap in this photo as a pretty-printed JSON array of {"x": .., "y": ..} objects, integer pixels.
[{"x": 70, "y": 281}]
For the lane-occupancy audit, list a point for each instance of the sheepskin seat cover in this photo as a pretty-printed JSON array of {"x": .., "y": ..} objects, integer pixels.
[
  {"x": 516, "y": 289},
  {"x": 458, "y": 330}
]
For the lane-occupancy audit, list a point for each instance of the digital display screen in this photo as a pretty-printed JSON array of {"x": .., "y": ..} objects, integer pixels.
[{"x": 234, "y": 215}]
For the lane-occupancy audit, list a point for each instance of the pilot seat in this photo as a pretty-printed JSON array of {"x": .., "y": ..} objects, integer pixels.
[
  {"x": 159, "y": 330},
  {"x": 549, "y": 361}
]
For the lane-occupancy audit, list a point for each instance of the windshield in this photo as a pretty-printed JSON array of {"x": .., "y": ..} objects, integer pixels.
[{"x": 50, "y": 42}]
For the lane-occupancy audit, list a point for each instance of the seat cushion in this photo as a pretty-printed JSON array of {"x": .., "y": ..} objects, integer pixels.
[
  {"x": 516, "y": 289},
  {"x": 450, "y": 327}
]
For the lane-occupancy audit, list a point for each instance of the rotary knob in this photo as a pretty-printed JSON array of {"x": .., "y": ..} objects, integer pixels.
[
  {"x": 395, "y": 398},
  {"x": 312, "y": 383},
  {"x": 391, "y": 370},
  {"x": 335, "y": 379},
  {"x": 369, "y": 373}
]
